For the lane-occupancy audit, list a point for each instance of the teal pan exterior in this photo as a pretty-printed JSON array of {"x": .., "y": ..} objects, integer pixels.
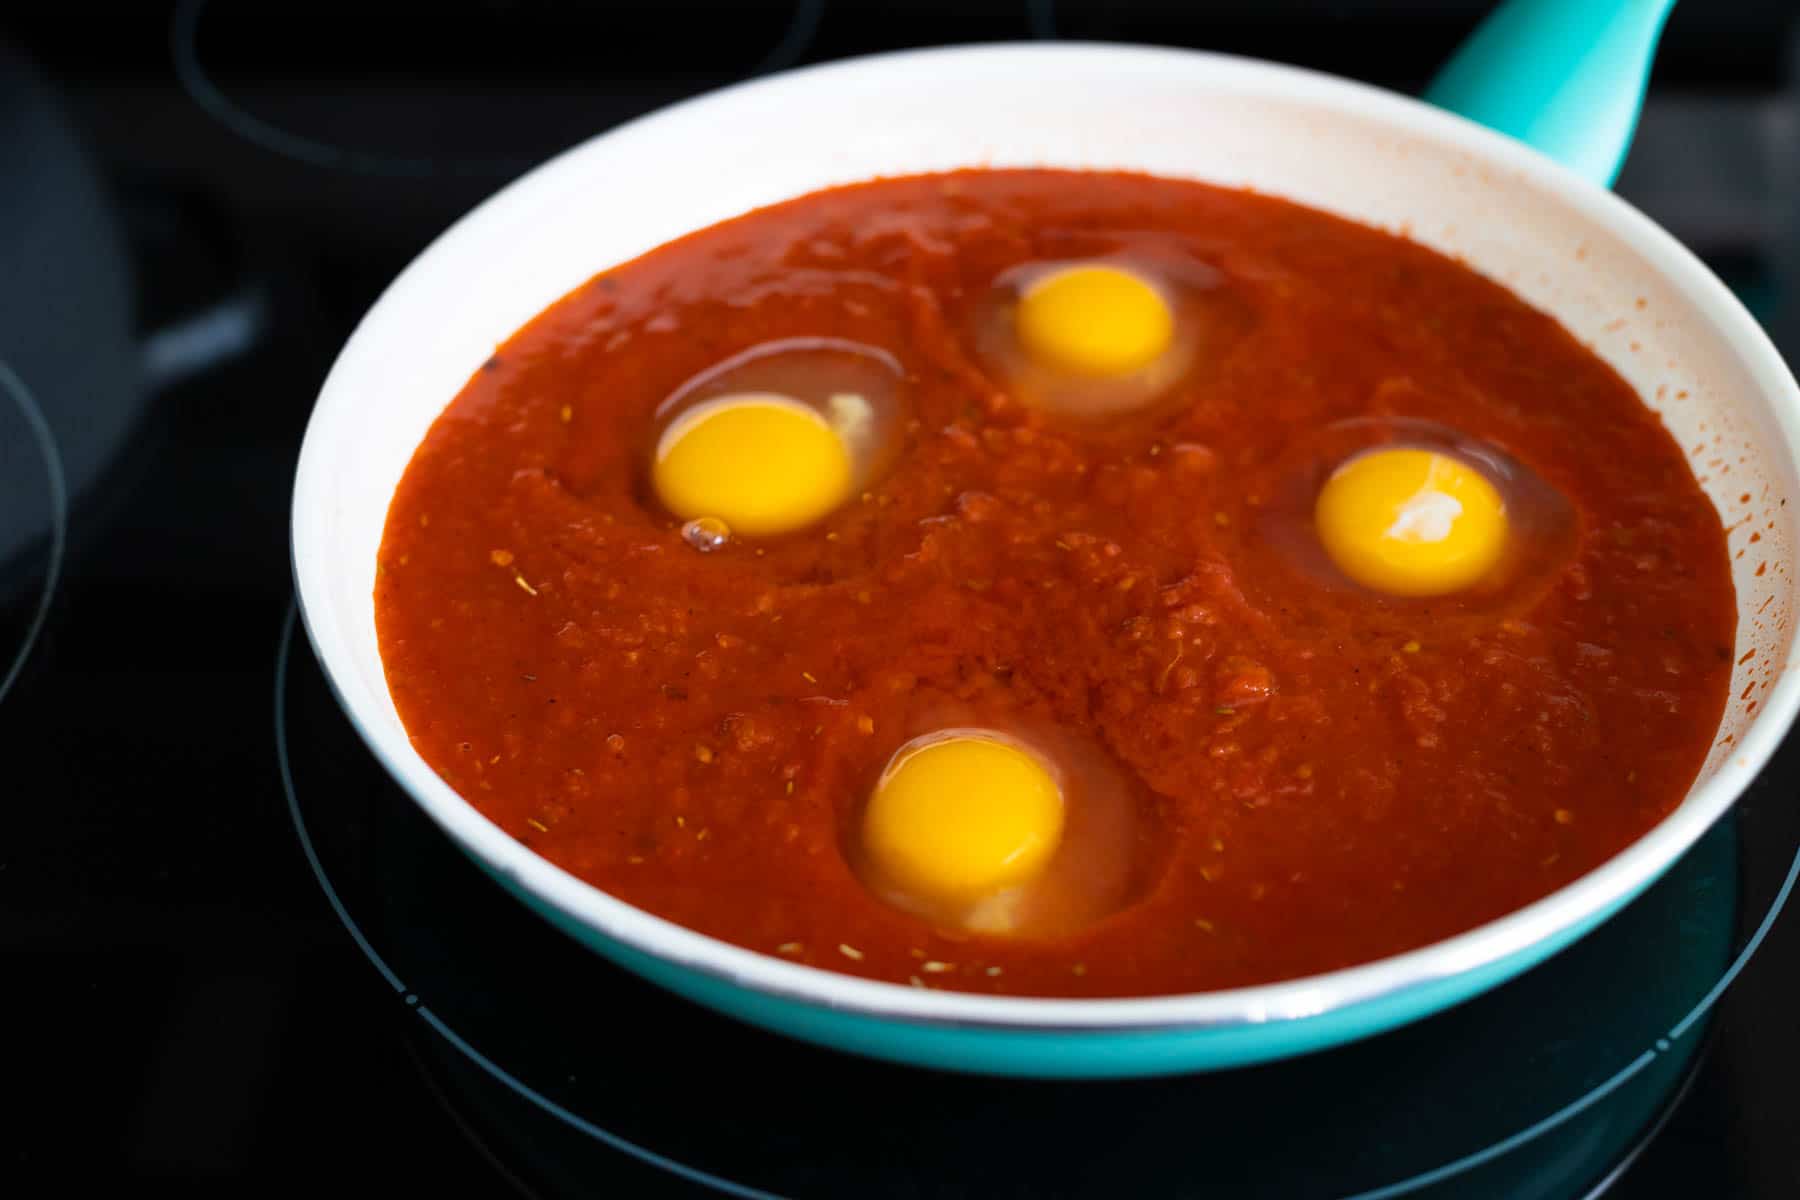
[
  {"x": 1564, "y": 76},
  {"x": 1062, "y": 1053}
]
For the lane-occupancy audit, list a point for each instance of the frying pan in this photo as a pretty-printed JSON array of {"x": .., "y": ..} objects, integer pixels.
[{"x": 1549, "y": 231}]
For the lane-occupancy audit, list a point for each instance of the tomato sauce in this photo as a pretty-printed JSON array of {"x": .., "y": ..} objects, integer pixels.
[{"x": 1333, "y": 776}]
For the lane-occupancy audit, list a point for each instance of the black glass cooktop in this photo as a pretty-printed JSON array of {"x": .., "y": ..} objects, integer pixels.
[{"x": 237, "y": 959}]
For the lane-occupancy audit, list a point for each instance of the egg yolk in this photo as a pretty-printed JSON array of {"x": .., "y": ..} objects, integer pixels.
[
  {"x": 761, "y": 462},
  {"x": 1094, "y": 320},
  {"x": 1411, "y": 522},
  {"x": 959, "y": 818}
]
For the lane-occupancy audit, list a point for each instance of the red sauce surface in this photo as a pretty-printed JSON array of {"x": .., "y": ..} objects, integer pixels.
[{"x": 1332, "y": 776}]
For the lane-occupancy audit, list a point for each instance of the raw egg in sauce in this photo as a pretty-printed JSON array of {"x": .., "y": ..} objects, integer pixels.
[
  {"x": 761, "y": 462},
  {"x": 776, "y": 438},
  {"x": 1094, "y": 319},
  {"x": 1411, "y": 510},
  {"x": 984, "y": 831},
  {"x": 1411, "y": 522},
  {"x": 962, "y": 815},
  {"x": 1097, "y": 338}
]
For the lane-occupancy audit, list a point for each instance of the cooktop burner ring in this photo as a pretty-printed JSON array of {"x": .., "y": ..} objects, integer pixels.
[
  {"x": 184, "y": 29},
  {"x": 38, "y": 427}
]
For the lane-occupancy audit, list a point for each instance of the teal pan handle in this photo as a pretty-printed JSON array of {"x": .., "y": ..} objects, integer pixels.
[{"x": 1565, "y": 76}]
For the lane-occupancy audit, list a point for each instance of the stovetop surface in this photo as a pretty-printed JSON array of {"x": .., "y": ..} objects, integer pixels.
[{"x": 185, "y": 1004}]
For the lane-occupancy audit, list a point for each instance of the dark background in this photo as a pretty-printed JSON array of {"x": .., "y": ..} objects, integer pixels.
[{"x": 181, "y": 1007}]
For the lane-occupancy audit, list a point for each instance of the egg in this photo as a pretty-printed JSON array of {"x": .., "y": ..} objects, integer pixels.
[
  {"x": 1411, "y": 522},
  {"x": 1011, "y": 827},
  {"x": 772, "y": 440},
  {"x": 1095, "y": 319},
  {"x": 761, "y": 462},
  {"x": 962, "y": 815},
  {"x": 1435, "y": 521},
  {"x": 1108, "y": 337}
]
